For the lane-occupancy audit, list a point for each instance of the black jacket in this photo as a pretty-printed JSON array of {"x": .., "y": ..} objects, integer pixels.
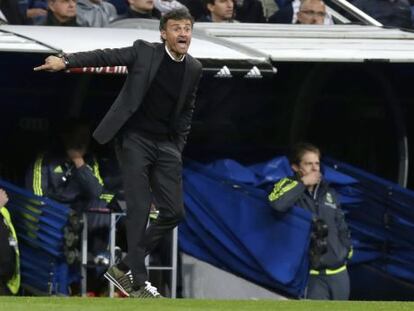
[
  {"x": 323, "y": 204},
  {"x": 154, "y": 14},
  {"x": 283, "y": 16},
  {"x": 142, "y": 60},
  {"x": 251, "y": 11},
  {"x": 51, "y": 20}
]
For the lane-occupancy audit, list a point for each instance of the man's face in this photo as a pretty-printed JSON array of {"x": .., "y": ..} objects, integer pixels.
[
  {"x": 177, "y": 36},
  {"x": 142, "y": 6},
  {"x": 63, "y": 10},
  {"x": 312, "y": 12},
  {"x": 221, "y": 10},
  {"x": 309, "y": 163}
]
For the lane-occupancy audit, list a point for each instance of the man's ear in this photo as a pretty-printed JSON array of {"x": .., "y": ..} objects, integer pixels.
[
  {"x": 210, "y": 7},
  {"x": 295, "y": 168},
  {"x": 163, "y": 35}
]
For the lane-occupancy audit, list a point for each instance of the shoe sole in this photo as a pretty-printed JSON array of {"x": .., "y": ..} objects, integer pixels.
[{"x": 115, "y": 283}]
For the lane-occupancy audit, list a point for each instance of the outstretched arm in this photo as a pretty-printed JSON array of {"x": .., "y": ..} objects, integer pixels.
[{"x": 52, "y": 64}]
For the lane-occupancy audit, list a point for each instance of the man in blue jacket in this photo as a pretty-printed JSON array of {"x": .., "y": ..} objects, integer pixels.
[{"x": 331, "y": 244}]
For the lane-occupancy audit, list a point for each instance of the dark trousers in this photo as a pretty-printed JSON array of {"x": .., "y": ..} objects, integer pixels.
[
  {"x": 151, "y": 173},
  {"x": 329, "y": 287}
]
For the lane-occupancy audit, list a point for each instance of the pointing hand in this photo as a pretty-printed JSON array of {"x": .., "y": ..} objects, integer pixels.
[{"x": 52, "y": 64}]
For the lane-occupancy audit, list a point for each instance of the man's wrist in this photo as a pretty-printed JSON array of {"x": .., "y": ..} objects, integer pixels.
[{"x": 65, "y": 60}]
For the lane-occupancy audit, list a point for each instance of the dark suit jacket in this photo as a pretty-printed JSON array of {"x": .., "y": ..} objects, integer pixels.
[
  {"x": 142, "y": 60},
  {"x": 283, "y": 15}
]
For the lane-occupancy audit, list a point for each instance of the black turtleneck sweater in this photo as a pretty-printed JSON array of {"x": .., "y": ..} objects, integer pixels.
[{"x": 153, "y": 118}]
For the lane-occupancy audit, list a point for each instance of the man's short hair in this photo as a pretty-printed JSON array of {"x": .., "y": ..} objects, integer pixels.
[
  {"x": 298, "y": 150},
  {"x": 176, "y": 15}
]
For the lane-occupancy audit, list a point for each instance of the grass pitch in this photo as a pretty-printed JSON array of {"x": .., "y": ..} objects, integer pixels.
[{"x": 125, "y": 304}]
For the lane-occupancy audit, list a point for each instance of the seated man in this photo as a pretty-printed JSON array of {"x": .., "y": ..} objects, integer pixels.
[
  {"x": 9, "y": 251},
  {"x": 220, "y": 11},
  {"x": 61, "y": 13},
  {"x": 330, "y": 243},
  {"x": 307, "y": 12},
  {"x": 69, "y": 173}
]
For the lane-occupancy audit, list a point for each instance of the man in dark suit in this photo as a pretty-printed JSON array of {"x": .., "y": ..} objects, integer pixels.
[{"x": 150, "y": 120}]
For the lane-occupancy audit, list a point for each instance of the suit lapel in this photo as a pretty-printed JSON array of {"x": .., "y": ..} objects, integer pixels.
[{"x": 156, "y": 61}]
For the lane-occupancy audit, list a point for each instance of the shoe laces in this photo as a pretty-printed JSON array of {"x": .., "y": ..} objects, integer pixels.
[
  {"x": 129, "y": 276},
  {"x": 151, "y": 289},
  {"x": 126, "y": 281}
]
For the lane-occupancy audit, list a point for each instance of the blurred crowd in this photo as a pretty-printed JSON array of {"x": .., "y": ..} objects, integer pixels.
[{"x": 100, "y": 13}]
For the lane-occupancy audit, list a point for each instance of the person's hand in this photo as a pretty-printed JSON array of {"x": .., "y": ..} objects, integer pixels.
[
  {"x": 52, "y": 64},
  {"x": 311, "y": 179},
  {"x": 35, "y": 12},
  {"x": 3, "y": 198},
  {"x": 76, "y": 156}
]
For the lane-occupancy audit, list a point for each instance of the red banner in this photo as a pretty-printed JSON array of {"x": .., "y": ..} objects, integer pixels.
[{"x": 121, "y": 70}]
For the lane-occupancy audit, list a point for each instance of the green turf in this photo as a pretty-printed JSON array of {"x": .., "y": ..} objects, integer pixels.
[{"x": 121, "y": 304}]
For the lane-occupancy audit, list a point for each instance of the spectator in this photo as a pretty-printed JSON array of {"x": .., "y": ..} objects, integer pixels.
[
  {"x": 95, "y": 13},
  {"x": 311, "y": 12},
  {"x": 308, "y": 12},
  {"x": 220, "y": 11},
  {"x": 249, "y": 11},
  {"x": 61, "y": 13},
  {"x": 9, "y": 251},
  {"x": 330, "y": 243},
  {"x": 141, "y": 9},
  {"x": 395, "y": 13}
]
